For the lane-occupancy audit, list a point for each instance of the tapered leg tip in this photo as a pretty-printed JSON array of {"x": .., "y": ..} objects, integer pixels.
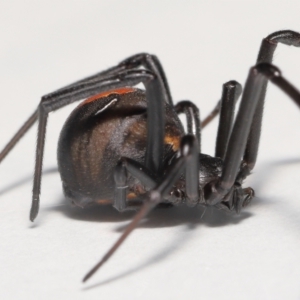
[
  {"x": 87, "y": 276},
  {"x": 84, "y": 280},
  {"x": 34, "y": 209}
]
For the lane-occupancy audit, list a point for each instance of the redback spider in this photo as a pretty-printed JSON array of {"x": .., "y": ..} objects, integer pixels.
[{"x": 127, "y": 147}]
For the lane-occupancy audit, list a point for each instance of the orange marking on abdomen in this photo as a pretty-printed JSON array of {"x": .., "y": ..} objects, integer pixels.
[
  {"x": 120, "y": 91},
  {"x": 174, "y": 141}
]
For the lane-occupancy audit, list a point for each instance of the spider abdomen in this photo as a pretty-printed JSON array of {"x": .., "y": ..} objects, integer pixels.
[{"x": 90, "y": 147}]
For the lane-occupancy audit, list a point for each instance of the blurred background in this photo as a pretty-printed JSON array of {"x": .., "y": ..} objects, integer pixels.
[{"x": 175, "y": 253}]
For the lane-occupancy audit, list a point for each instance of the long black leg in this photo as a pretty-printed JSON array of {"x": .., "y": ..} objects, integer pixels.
[
  {"x": 27, "y": 125},
  {"x": 269, "y": 44},
  {"x": 231, "y": 92},
  {"x": 34, "y": 117},
  {"x": 155, "y": 197},
  {"x": 265, "y": 54},
  {"x": 155, "y": 113},
  {"x": 254, "y": 86},
  {"x": 143, "y": 59},
  {"x": 159, "y": 86},
  {"x": 192, "y": 169},
  {"x": 36, "y": 190},
  {"x": 192, "y": 118},
  {"x": 155, "y": 126},
  {"x": 66, "y": 96},
  {"x": 148, "y": 61}
]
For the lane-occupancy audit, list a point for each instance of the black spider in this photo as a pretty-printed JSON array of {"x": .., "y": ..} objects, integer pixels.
[{"x": 127, "y": 147}]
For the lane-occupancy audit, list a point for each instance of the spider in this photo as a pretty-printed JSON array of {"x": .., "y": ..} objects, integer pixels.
[{"x": 126, "y": 146}]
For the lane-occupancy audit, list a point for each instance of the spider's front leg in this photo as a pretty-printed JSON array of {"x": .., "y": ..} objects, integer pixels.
[
  {"x": 266, "y": 53},
  {"x": 237, "y": 147},
  {"x": 244, "y": 138},
  {"x": 186, "y": 160}
]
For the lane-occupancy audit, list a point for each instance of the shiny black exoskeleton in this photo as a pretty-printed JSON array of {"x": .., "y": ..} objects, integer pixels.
[{"x": 127, "y": 147}]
